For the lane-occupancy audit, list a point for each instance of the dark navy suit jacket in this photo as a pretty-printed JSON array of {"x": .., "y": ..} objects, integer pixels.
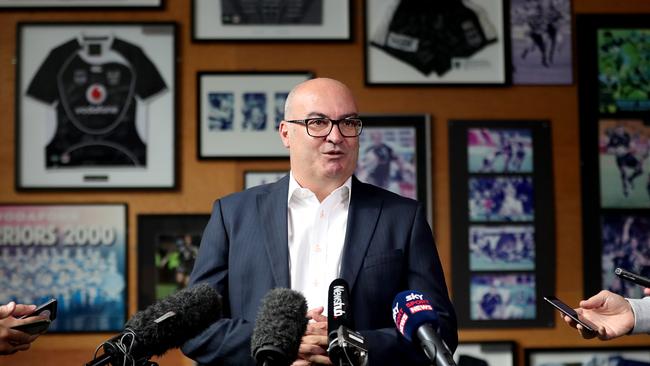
[{"x": 388, "y": 248}]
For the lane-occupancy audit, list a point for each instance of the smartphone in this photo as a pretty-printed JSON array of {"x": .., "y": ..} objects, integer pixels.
[
  {"x": 35, "y": 327},
  {"x": 567, "y": 310},
  {"x": 633, "y": 277},
  {"x": 49, "y": 305}
]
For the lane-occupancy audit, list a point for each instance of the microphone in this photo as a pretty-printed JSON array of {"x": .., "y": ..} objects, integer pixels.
[
  {"x": 414, "y": 317},
  {"x": 281, "y": 322},
  {"x": 346, "y": 347},
  {"x": 164, "y": 325}
]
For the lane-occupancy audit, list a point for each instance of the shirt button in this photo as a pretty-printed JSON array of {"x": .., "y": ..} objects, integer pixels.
[{"x": 317, "y": 248}]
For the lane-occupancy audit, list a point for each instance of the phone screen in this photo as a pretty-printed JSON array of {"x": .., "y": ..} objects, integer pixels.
[
  {"x": 48, "y": 308},
  {"x": 566, "y": 309}
]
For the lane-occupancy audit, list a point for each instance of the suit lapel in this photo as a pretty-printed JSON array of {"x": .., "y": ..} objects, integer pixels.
[
  {"x": 362, "y": 220},
  {"x": 272, "y": 211}
]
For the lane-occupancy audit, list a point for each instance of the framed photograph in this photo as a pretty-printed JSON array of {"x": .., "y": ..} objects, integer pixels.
[
  {"x": 242, "y": 20},
  {"x": 63, "y": 4},
  {"x": 74, "y": 253},
  {"x": 167, "y": 247},
  {"x": 395, "y": 154},
  {"x": 502, "y": 222},
  {"x": 239, "y": 113},
  {"x": 259, "y": 177},
  {"x": 540, "y": 31},
  {"x": 425, "y": 43},
  {"x": 499, "y": 353},
  {"x": 633, "y": 356},
  {"x": 95, "y": 105}
]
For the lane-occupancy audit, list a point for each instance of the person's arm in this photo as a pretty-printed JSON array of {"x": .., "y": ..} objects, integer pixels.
[
  {"x": 227, "y": 340},
  {"x": 609, "y": 312},
  {"x": 11, "y": 340},
  {"x": 641, "y": 310}
]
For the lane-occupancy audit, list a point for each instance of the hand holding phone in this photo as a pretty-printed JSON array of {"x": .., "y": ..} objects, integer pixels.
[
  {"x": 35, "y": 327},
  {"x": 48, "y": 309},
  {"x": 568, "y": 311}
]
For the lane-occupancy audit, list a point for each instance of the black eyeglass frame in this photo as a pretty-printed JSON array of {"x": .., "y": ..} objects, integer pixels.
[{"x": 332, "y": 123}]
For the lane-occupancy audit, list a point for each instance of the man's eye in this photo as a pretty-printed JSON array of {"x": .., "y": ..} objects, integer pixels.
[{"x": 318, "y": 122}]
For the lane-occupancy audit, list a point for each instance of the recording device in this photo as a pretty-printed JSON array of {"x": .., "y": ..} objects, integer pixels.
[
  {"x": 164, "y": 325},
  {"x": 415, "y": 318},
  {"x": 35, "y": 327},
  {"x": 281, "y": 322},
  {"x": 568, "y": 311},
  {"x": 50, "y": 306},
  {"x": 346, "y": 347},
  {"x": 633, "y": 277}
]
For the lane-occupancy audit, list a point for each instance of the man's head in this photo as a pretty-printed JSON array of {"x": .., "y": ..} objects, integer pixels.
[{"x": 320, "y": 163}]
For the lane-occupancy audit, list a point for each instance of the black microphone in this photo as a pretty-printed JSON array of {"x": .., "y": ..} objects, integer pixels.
[
  {"x": 346, "y": 347},
  {"x": 164, "y": 325},
  {"x": 415, "y": 318},
  {"x": 281, "y": 322}
]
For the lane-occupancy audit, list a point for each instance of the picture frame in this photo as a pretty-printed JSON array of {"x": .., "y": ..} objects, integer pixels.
[
  {"x": 68, "y": 4},
  {"x": 239, "y": 112},
  {"x": 476, "y": 53},
  {"x": 74, "y": 253},
  {"x": 167, "y": 247},
  {"x": 541, "y": 39},
  {"x": 614, "y": 126},
  {"x": 232, "y": 20},
  {"x": 98, "y": 131},
  {"x": 254, "y": 178},
  {"x": 503, "y": 228},
  {"x": 637, "y": 356},
  {"x": 492, "y": 353}
]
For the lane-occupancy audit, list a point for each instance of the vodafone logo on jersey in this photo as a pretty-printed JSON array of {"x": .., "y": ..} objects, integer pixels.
[{"x": 96, "y": 94}]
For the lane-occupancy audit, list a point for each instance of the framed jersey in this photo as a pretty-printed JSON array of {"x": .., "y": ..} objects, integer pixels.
[
  {"x": 67, "y": 4},
  {"x": 95, "y": 105}
]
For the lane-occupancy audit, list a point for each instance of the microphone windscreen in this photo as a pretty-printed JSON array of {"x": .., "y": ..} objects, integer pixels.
[
  {"x": 339, "y": 311},
  {"x": 281, "y": 322},
  {"x": 194, "y": 308},
  {"x": 411, "y": 309}
]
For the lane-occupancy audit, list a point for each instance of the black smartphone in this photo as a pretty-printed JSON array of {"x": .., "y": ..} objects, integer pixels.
[
  {"x": 35, "y": 327},
  {"x": 567, "y": 310},
  {"x": 633, "y": 277},
  {"x": 49, "y": 305}
]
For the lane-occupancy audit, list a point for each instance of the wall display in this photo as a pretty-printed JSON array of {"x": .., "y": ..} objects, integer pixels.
[
  {"x": 81, "y": 3},
  {"x": 433, "y": 43},
  {"x": 237, "y": 20},
  {"x": 167, "y": 247},
  {"x": 614, "y": 102},
  {"x": 485, "y": 353},
  {"x": 95, "y": 105},
  {"x": 395, "y": 154},
  {"x": 605, "y": 356},
  {"x": 540, "y": 31},
  {"x": 502, "y": 222},
  {"x": 259, "y": 177},
  {"x": 239, "y": 113},
  {"x": 75, "y": 253}
]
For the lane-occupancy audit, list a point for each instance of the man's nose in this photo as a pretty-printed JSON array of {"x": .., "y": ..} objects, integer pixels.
[{"x": 335, "y": 135}]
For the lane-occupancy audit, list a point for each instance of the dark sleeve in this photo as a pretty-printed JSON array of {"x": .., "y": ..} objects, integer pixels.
[
  {"x": 148, "y": 80},
  {"x": 228, "y": 340},
  {"x": 43, "y": 86},
  {"x": 388, "y": 347}
]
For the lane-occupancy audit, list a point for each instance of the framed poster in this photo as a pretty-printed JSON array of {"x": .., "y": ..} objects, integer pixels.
[
  {"x": 503, "y": 231},
  {"x": 167, "y": 247},
  {"x": 540, "y": 31},
  {"x": 239, "y": 113},
  {"x": 67, "y": 4},
  {"x": 95, "y": 105},
  {"x": 497, "y": 353},
  {"x": 637, "y": 356},
  {"x": 614, "y": 102},
  {"x": 254, "y": 178},
  {"x": 241, "y": 20},
  {"x": 430, "y": 43},
  {"x": 74, "y": 253}
]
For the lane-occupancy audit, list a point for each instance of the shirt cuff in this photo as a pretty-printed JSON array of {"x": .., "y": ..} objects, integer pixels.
[{"x": 641, "y": 310}]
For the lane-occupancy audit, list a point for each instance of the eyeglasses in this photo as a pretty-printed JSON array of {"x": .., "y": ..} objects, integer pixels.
[{"x": 322, "y": 126}]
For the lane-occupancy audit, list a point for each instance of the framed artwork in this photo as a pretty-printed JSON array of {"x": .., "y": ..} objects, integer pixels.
[
  {"x": 259, "y": 177},
  {"x": 500, "y": 353},
  {"x": 167, "y": 247},
  {"x": 540, "y": 31},
  {"x": 615, "y": 145},
  {"x": 75, "y": 253},
  {"x": 239, "y": 113},
  {"x": 502, "y": 222},
  {"x": 95, "y": 105},
  {"x": 241, "y": 20},
  {"x": 637, "y": 356},
  {"x": 426, "y": 43},
  {"x": 63, "y": 4},
  {"x": 395, "y": 154}
]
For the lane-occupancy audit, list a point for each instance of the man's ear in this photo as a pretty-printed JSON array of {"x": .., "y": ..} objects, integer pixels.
[{"x": 283, "y": 129}]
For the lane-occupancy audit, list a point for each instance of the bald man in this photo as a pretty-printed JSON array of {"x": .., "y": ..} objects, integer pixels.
[{"x": 317, "y": 224}]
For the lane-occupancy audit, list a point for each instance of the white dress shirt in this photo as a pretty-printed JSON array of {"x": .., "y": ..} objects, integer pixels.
[{"x": 316, "y": 233}]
